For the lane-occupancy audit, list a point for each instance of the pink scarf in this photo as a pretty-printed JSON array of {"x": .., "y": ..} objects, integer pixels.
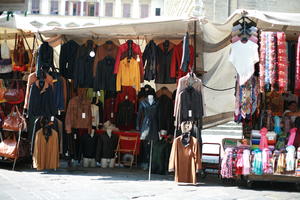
[
  {"x": 263, "y": 139},
  {"x": 282, "y": 62},
  {"x": 293, "y": 132},
  {"x": 297, "y": 76}
]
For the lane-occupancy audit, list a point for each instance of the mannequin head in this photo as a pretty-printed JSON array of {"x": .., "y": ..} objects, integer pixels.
[
  {"x": 150, "y": 99},
  {"x": 186, "y": 126}
]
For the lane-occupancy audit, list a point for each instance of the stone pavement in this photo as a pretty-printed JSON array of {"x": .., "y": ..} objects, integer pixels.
[{"x": 123, "y": 183}]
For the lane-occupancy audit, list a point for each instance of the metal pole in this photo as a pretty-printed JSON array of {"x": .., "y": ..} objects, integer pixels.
[{"x": 150, "y": 161}]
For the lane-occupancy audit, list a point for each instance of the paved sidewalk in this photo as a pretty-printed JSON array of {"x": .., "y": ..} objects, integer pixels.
[{"x": 121, "y": 183}]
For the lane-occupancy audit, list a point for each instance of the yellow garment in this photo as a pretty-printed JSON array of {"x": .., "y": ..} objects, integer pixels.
[{"x": 129, "y": 74}]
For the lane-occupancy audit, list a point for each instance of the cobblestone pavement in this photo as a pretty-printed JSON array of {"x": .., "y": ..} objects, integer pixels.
[{"x": 122, "y": 183}]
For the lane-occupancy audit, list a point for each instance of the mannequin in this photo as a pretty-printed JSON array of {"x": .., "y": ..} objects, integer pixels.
[
  {"x": 150, "y": 99},
  {"x": 108, "y": 162}
]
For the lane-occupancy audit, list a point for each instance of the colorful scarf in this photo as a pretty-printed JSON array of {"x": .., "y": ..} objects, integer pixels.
[
  {"x": 282, "y": 62},
  {"x": 297, "y": 75}
]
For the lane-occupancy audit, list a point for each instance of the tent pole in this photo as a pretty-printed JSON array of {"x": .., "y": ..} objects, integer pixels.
[
  {"x": 195, "y": 46},
  {"x": 150, "y": 161}
]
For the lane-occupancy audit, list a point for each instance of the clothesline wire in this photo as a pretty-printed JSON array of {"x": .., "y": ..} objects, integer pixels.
[{"x": 220, "y": 90}]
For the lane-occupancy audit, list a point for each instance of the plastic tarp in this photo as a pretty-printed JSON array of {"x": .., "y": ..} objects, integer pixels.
[{"x": 220, "y": 72}]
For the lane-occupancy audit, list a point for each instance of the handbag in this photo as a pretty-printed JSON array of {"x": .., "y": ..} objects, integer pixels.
[
  {"x": 14, "y": 121},
  {"x": 5, "y": 66},
  {"x": 2, "y": 91},
  {"x": 9, "y": 147},
  {"x": 14, "y": 95},
  {"x": 20, "y": 54}
]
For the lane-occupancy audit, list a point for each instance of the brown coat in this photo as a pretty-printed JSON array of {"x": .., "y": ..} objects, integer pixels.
[
  {"x": 103, "y": 51},
  {"x": 75, "y": 117},
  {"x": 32, "y": 78},
  {"x": 185, "y": 161},
  {"x": 46, "y": 154}
]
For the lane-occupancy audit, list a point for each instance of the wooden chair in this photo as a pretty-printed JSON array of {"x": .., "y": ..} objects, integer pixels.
[{"x": 121, "y": 149}]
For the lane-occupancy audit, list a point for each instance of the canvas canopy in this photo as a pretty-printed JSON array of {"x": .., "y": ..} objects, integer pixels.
[{"x": 216, "y": 46}]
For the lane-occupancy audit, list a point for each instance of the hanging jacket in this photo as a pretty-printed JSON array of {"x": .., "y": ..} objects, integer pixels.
[
  {"x": 129, "y": 93},
  {"x": 88, "y": 145},
  {"x": 107, "y": 49},
  {"x": 176, "y": 72},
  {"x": 79, "y": 114},
  {"x": 128, "y": 74},
  {"x": 147, "y": 120},
  {"x": 105, "y": 79},
  {"x": 41, "y": 101},
  {"x": 164, "y": 58},
  {"x": 150, "y": 60},
  {"x": 186, "y": 59},
  {"x": 191, "y": 105},
  {"x": 83, "y": 72},
  {"x": 125, "y": 115},
  {"x": 122, "y": 53},
  {"x": 165, "y": 114},
  {"x": 67, "y": 58},
  {"x": 59, "y": 90},
  {"x": 45, "y": 57}
]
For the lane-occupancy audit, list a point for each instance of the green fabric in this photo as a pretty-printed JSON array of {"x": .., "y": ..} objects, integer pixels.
[{"x": 91, "y": 94}]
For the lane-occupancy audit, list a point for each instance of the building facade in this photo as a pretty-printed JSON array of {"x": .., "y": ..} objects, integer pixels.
[
  {"x": 90, "y": 12},
  {"x": 218, "y": 10},
  {"x": 103, "y": 8}
]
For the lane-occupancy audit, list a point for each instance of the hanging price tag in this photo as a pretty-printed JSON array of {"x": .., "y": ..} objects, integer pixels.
[
  {"x": 59, "y": 112},
  {"x": 98, "y": 93},
  {"x": 190, "y": 113},
  {"x": 83, "y": 116},
  {"x": 75, "y": 136},
  {"x": 67, "y": 65},
  {"x": 52, "y": 118},
  {"x": 126, "y": 97},
  {"x": 111, "y": 115}
]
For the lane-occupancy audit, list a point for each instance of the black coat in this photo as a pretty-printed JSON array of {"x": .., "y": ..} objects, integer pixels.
[
  {"x": 67, "y": 58},
  {"x": 164, "y": 66},
  {"x": 83, "y": 72},
  {"x": 150, "y": 58},
  {"x": 126, "y": 115},
  {"x": 88, "y": 145},
  {"x": 147, "y": 120},
  {"x": 45, "y": 57},
  {"x": 41, "y": 103},
  {"x": 105, "y": 78},
  {"x": 106, "y": 146},
  {"x": 191, "y": 105},
  {"x": 165, "y": 114}
]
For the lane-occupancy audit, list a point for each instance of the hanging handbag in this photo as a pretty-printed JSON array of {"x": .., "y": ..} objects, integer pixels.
[
  {"x": 14, "y": 121},
  {"x": 9, "y": 147},
  {"x": 21, "y": 58},
  {"x": 14, "y": 95},
  {"x": 2, "y": 91},
  {"x": 5, "y": 66}
]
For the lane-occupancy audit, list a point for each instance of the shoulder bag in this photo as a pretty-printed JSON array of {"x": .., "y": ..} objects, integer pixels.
[
  {"x": 14, "y": 95},
  {"x": 14, "y": 121}
]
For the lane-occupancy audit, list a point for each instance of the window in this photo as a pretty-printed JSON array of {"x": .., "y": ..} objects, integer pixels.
[
  {"x": 126, "y": 10},
  {"x": 144, "y": 10},
  {"x": 109, "y": 9},
  {"x": 54, "y": 7},
  {"x": 91, "y": 9},
  {"x": 76, "y": 8},
  {"x": 35, "y": 7},
  {"x": 67, "y": 8},
  {"x": 157, "y": 11}
]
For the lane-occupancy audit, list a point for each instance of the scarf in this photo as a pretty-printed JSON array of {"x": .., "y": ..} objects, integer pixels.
[
  {"x": 226, "y": 165},
  {"x": 263, "y": 139},
  {"x": 282, "y": 62},
  {"x": 297, "y": 75}
]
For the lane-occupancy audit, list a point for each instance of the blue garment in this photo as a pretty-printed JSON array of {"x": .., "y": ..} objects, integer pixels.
[{"x": 186, "y": 54}]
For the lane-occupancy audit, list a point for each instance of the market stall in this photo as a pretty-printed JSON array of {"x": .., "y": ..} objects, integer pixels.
[{"x": 261, "y": 50}]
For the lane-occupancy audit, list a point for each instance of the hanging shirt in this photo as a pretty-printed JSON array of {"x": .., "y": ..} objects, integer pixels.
[{"x": 243, "y": 56}]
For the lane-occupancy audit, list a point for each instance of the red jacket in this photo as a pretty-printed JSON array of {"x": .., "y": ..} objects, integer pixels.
[
  {"x": 136, "y": 50},
  {"x": 175, "y": 71},
  {"x": 128, "y": 91}
]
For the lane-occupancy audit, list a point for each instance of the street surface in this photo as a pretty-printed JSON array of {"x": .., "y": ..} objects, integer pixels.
[{"x": 123, "y": 183}]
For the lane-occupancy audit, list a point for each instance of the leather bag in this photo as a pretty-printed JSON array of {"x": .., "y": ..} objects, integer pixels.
[
  {"x": 14, "y": 95},
  {"x": 2, "y": 91},
  {"x": 20, "y": 55},
  {"x": 14, "y": 121},
  {"x": 9, "y": 147}
]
